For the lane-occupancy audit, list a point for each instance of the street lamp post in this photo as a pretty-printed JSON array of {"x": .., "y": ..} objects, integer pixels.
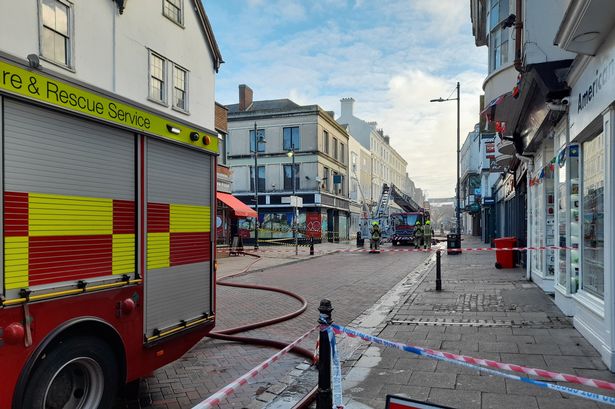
[
  {"x": 291, "y": 154},
  {"x": 458, "y": 207},
  {"x": 256, "y": 142}
]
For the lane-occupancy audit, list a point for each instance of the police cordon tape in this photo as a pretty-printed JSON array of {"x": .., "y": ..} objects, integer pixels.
[
  {"x": 419, "y": 250},
  {"x": 218, "y": 398},
  {"x": 487, "y": 366}
]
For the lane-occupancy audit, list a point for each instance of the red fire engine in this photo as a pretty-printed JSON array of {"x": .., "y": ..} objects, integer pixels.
[{"x": 107, "y": 241}]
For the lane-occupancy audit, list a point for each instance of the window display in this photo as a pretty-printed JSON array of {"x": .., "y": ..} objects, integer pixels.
[
  {"x": 562, "y": 219},
  {"x": 593, "y": 216}
]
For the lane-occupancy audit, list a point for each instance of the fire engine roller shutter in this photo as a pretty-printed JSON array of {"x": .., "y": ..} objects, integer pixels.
[
  {"x": 69, "y": 186},
  {"x": 179, "y": 203}
]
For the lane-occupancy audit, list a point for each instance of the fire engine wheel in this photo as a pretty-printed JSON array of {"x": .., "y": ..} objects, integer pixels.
[{"x": 78, "y": 373}]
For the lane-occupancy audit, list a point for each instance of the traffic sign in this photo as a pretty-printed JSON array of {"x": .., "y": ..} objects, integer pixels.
[{"x": 397, "y": 402}]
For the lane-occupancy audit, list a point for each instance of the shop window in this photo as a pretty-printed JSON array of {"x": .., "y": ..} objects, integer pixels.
[
  {"x": 56, "y": 32},
  {"x": 593, "y": 216}
]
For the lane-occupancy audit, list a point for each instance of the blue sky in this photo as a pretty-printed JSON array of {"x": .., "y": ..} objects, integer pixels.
[{"x": 391, "y": 56}]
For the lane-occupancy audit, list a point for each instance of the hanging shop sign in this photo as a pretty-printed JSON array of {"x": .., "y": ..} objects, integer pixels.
[
  {"x": 42, "y": 88},
  {"x": 594, "y": 90}
]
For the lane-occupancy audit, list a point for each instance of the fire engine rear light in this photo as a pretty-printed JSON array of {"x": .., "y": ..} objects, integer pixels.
[
  {"x": 160, "y": 353},
  {"x": 14, "y": 333}
]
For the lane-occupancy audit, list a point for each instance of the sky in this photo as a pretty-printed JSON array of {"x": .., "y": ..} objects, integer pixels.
[{"x": 391, "y": 56}]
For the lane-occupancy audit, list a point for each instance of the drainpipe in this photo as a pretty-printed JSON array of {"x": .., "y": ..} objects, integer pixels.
[{"x": 518, "y": 63}]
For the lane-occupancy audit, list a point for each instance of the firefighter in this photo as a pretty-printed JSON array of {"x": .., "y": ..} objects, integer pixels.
[
  {"x": 375, "y": 237},
  {"x": 427, "y": 233},
  {"x": 418, "y": 235}
]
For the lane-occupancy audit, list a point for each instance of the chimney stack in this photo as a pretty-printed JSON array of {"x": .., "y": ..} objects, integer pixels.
[
  {"x": 245, "y": 97},
  {"x": 347, "y": 107}
]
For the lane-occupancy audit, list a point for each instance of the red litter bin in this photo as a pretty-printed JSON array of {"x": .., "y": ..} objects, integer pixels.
[{"x": 505, "y": 258}]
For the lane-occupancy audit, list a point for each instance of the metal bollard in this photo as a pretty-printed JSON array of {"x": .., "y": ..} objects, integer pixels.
[
  {"x": 311, "y": 246},
  {"x": 438, "y": 271},
  {"x": 324, "y": 399}
]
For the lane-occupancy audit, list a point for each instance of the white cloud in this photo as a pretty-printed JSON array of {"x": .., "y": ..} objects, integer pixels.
[{"x": 392, "y": 62}]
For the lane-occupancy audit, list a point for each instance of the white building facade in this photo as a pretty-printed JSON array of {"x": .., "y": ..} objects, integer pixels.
[{"x": 387, "y": 165}]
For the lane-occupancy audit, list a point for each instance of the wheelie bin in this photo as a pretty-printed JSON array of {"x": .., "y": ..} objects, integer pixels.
[
  {"x": 453, "y": 244},
  {"x": 505, "y": 258}
]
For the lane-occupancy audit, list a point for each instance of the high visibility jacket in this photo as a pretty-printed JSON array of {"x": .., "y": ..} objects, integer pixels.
[
  {"x": 375, "y": 232},
  {"x": 418, "y": 231}
]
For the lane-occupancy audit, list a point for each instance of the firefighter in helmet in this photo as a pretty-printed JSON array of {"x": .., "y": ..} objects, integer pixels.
[
  {"x": 375, "y": 236},
  {"x": 427, "y": 233},
  {"x": 418, "y": 234}
]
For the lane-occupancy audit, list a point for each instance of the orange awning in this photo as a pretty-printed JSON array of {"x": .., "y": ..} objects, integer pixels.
[{"x": 239, "y": 208}]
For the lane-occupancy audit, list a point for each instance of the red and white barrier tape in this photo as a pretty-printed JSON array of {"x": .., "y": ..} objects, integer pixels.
[
  {"x": 413, "y": 250},
  {"x": 556, "y": 376},
  {"x": 217, "y": 398}
]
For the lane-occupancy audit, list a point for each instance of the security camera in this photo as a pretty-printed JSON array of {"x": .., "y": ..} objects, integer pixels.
[{"x": 565, "y": 101}]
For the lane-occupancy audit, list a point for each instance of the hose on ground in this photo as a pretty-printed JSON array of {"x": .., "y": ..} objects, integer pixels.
[{"x": 228, "y": 334}]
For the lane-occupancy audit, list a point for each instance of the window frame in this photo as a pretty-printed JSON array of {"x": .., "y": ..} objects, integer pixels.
[
  {"x": 335, "y": 150},
  {"x": 326, "y": 178},
  {"x": 287, "y": 183},
  {"x": 165, "y": 93},
  {"x": 251, "y": 140},
  {"x": 325, "y": 142},
  {"x": 181, "y": 12},
  {"x": 264, "y": 178},
  {"x": 70, "y": 47},
  {"x": 186, "y": 109},
  {"x": 292, "y": 145},
  {"x": 342, "y": 152},
  {"x": 503, "y": 35}
]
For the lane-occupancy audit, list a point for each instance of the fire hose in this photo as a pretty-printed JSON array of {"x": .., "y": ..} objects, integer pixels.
[{"x": 229, "y": 333}]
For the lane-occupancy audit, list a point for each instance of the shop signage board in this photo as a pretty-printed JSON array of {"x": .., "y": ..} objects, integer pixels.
[
  {"x": 397, "y": 402},
  {"x": 51, "y": 91},
  {"x": 593, "y": 91}
]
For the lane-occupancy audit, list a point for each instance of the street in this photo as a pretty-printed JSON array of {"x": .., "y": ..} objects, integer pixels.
[
  {"x": 353, "y": 282},
  {"x": 481, "y": 312}
]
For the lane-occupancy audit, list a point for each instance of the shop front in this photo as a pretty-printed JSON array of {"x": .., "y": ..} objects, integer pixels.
[
  {"x": 541, "y": 218},
  {"x": 586, "y": 186}
]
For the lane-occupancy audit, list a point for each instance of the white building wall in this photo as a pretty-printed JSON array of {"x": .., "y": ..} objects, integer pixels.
[{"x": 111, "y": 50}]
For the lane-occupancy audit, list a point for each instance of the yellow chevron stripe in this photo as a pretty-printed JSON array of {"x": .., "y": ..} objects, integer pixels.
[
  {"x": 57, "y": 215},
  {"x": 190, "y": 219},
  {"x": 158, "y": 250},
  {"x": 15, "y": 262},
  {"x": 123, "y": 253}
]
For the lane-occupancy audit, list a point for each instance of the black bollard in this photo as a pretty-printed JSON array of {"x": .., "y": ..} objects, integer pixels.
[
  {"x": 438, "y": 271},
  {"x": 325, "y": 395},
  {"x": 311, "y": 246}
]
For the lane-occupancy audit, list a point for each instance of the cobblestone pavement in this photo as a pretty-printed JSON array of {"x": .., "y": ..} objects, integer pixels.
[
  {"x": 481, "y": 312},
  {"x": 352, "y": 281}
]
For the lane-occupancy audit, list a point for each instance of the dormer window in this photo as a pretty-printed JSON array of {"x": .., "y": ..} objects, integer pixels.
[{"x": 173, "y": 10}]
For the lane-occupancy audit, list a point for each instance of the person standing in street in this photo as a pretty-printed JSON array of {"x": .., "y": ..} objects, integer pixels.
[
  {"x": 375, "y": 237},
  {"x": 418, "y": 234},
  {"x": 427, "y": 234}
]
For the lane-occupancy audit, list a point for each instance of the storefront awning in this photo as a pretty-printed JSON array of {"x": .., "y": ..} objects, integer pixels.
[{"x": 239, "y": 208}]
